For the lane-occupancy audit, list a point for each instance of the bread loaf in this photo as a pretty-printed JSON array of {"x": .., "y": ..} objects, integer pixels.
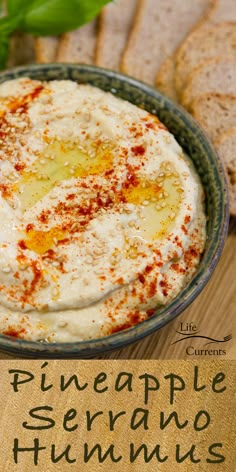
[
  {"x": 114, "y": 26},
  {"x": 215, "y": 112},
  {"x": 212, "y": 75},
  {"x": 205, "y": 42},
  {"x": 46, "y": 49},
  {"x": 159, "y": 27},
  {"x": 226, "y": 147},
  {"x": 78, "y": 45}
]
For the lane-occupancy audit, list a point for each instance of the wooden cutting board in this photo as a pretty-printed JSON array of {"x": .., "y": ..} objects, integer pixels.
[{"x": 212, "y": 314}]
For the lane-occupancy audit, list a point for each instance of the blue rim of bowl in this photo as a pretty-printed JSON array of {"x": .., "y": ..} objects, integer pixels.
[{"x": 94, "y": 347}]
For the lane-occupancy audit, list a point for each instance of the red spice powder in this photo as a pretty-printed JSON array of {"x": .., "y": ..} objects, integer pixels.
[
  {"x": 178, "y": 242},
  {"x": 165, "y": 286},
  {"x": 184, "y": 229},
  {"x": 148, "y": 269},
  {"x": 120, "y": 280},
  {"x": 3, "y": 123},
  {"x": 30, "y": 288},
  {"x": 50, "y": 254},
  {"x": 160, "y": 264},
  {"x": 63, "y": 241},
  {"x": 71, "y": 196},
  {"x": 6, "y": 190},
  {"x": 178, "y": 268},
  {"x": 15, "y": 333},
  {"x": 138, "y": 150},
  {"x": 131, "y": 179},
  {"x": 150, "y": 312},
  {"x": 150, "y": 126},
  {"x": 38, "y": 274},
  {"x": 141, "y": 278},
  {"x": 190, "y": 255},
  {"x": 29, "y": 227},
  {"x": 133, "y": 319},
  {"x": 109, "y": 172},
  {"x": 22, "y": 244},
  {"x": 22, "y": 103},
  {"x": 152, "y": 288},
  {"x": 19, "y": 166},
  {"x": 44, "y": 216}
]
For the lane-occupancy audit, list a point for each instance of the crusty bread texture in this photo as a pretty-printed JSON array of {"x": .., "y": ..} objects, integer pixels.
[
  {"x": 222, "y": 10},
  {"x": 165, "y": 81},
  {"x": 46, "y": 49},
  {"x": 215, "y": 112},
  {"x": 203, "y": 43},
  {"x": 114, "y": 26},
  {"x": 159, "y": 27},
  {"x": 21, "y": 50},
  {"x": 79, "y": 45},
  {"x": 226, "y": 147},
  {"x": 213, "y": 75}
]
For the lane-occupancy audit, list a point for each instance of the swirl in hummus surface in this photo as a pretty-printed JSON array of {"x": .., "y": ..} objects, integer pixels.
[{"x": 102, "y": 215}]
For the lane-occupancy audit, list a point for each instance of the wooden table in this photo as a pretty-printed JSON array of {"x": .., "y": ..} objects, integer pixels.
[{"x": 212, "y": 314}]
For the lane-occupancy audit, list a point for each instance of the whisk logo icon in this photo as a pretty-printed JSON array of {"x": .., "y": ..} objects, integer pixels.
[{"x": 189, "y": 332}]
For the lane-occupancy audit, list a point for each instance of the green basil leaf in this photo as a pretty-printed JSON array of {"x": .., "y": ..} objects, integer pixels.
[
  {"x": 4, "y": 46},
  {"x": 53, "y": 17},
  {"x": 8, "y": 25},
  {"x": 14, "y": 7}
]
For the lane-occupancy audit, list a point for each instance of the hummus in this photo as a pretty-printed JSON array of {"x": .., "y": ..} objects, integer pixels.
[{"x": 101, "y": 213}]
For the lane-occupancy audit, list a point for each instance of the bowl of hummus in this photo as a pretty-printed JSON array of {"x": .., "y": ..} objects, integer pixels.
[{"x": 113, "y": 210}]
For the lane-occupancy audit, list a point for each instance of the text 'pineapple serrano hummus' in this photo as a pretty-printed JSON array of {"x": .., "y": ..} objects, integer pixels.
[{"x": 101, "y": 213}]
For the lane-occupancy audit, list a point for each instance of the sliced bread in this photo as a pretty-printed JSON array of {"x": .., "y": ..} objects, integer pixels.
[
  {"x": 114, "y": 26},
  {"x": 46, "y": 49},
  {"x": 222, "y": 10},
  {"x": 21, "y": 45},
  {"x": 159, "y": 27},
  {"x": 165, "y": 81},
  {"x": 79, "y": 45},
  {"x": 212, "y": 75},
  {"x": 204, "y": 42},
  {"x": 215, "y": 112},
  {"x": 21, "y": 50},
  {"x": 226, "y": 147}
]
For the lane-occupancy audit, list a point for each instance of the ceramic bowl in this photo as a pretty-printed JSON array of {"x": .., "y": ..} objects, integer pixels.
[{"x": 191, "y": 137}]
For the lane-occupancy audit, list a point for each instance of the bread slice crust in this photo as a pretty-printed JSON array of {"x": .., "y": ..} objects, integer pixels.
[
  {"x": 78, "y": 46},
  {"x": 158, "y": 28},
  {"x": 115, "y": 22},
  {"x": 211, "y": 75},
  {"x": 205, "y": 42},
  {"x": 226, "y": 147}
]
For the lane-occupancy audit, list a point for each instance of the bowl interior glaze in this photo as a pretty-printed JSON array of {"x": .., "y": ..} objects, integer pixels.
[{"x": 193, "y": 140}]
